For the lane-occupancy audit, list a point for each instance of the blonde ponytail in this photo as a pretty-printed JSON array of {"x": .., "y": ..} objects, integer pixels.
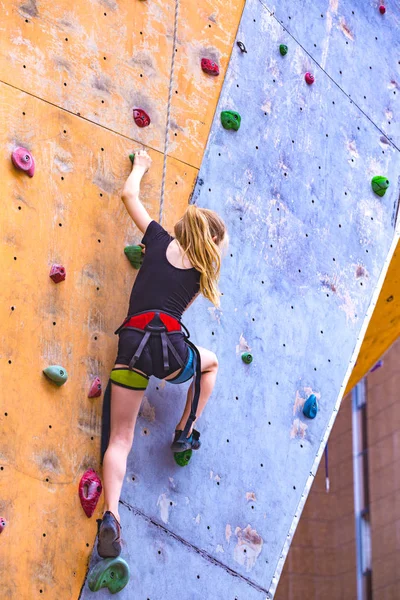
[{"x": 195, "y": 232}]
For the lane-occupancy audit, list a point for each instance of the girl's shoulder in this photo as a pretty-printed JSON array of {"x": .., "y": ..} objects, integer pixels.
[{"x": 155, "y": 232}]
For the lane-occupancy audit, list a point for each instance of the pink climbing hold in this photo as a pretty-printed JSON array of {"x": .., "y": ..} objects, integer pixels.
[
  {"x": 209, "y": 66},
  {"x": 90, "y": 489},
  {"x": 3, "y": 523},
  {"x": 57, "y": 273},
  {"x": 141, "y": 118},
  {"x": 23, "y": 160},
  {"x": 382, "y": 9},
  {"x": 309, "y": 77},
  {"x": 95, "y": 388}
]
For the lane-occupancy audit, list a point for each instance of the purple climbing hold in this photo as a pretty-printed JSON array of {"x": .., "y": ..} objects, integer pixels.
[
  {"x": 23, "y": 160},
  {"x": 377, "y": 366},
  {"x": 3, "y": 523},
  {"x": 95, "y": 388},
  {"x": 57, "y": 273},
  {"x": 209, "y": 66},
  {"x": 141, "y": 118},
  {"x": 309, "y": 77}
]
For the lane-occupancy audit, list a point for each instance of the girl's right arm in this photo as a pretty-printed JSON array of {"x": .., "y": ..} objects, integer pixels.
[{"x": 131, "y": 190}]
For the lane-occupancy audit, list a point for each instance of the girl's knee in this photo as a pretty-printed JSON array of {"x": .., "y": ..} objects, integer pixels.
[
  {"x": 123, "y": 441},
  {"x": 213, "y": 365}
]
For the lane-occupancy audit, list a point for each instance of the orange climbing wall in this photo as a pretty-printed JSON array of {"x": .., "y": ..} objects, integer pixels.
[
  {"x": 70, "y": 75},
  {"x": 384, "y": 327}
]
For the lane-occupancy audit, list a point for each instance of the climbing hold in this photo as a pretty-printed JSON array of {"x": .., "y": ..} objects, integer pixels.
[
  {"x": 95, "y": 388},
  {"x": 382, "y": 9},
  {"x": 242, "y": 46},
  {"x": 134, "y": 255},
  {"x": 57, "y": 374},
  {"x": 247, "y": 358},
  {"x": 3, "y": 523},
  {"x": 283, "y": 49},
  {"x": 310, "y": 407},
  {"x": 230, "y": 119},
  {"x": 309, "y": 77},
  {"x": 111, "y": 573},
  {"x": 57, "y": 273},
  {"x": 141, "y": 118},
  {"x": 89, "y": 491},
  {"x": 377, "y": 366},
  {"x": 380, "y": 185},
  {"x": 183, "y": 458},
  {"x": 132, "y": 158},
  {"x": 23, "y": 160},
  {"x": 209, "y": 66}
]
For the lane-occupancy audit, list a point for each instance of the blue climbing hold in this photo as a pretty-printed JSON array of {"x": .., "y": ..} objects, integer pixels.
[{"x": 310, "y": 407}]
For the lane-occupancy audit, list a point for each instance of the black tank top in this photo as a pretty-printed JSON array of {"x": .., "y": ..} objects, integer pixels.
[{"x": 158, "y": 283}]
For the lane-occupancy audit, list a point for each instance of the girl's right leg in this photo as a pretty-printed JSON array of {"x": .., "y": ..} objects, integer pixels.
[
  {"x": 209, "y": 369},
  {"x": 125, "y": 405}
]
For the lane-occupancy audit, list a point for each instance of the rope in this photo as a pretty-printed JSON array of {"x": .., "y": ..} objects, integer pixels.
[{"x": 171, "y": 80}]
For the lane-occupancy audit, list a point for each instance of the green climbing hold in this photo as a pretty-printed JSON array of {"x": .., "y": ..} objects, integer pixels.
[
  {"x": 247, "y": 358},
  {"x": 132, "y": 158},
  {"x": 183, "y": 458},
  {"x": 135, "y": 256},
  {"x": 310, "y": 407},
  {"x": 230, "y": 119},
  {"x": 283, "y": 49},
  {"x": 57, "y": 374},
  {"x": 111, "y": 573},
  {"x": 380, "y": 185}
]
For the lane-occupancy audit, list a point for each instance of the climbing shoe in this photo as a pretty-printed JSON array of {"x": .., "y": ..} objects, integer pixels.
[
  {"x": 108, "y": 536},
  {"x": 191, "y": 443}
]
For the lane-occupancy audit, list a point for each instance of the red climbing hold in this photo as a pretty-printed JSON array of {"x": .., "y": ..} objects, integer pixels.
[
  {"x": 23, "y": 160},
  {"x": 141, "y": 118},
  {"x": 209, "y": 66},
  {"x": 3, "y": 523},
  {"x": 95, "y": 388},
  {"x": 90, "y": 489},
  {"x": 57, "y": 273},
  {"x": 382, "y": 9},
  {"x": 309, "y": 77}
]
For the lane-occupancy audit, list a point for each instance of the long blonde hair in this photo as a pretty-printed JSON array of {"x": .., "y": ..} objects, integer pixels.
[{"x": 195, "y": 232}]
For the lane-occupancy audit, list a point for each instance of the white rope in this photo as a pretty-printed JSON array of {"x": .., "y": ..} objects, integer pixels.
[{"x": 171, "y": 81}]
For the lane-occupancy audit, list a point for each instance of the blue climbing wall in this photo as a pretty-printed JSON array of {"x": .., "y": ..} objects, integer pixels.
[{"x": 309, "y": 246}]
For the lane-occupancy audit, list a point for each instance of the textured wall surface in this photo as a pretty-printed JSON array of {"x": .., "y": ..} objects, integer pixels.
[
  {"x": 309, "y": 241},
  {"x": 71, "y": 74},
  {"x": 302, "y": 236}
]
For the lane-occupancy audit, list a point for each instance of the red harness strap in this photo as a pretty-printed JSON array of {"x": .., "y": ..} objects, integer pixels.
[{"x": 140, "y": 321}]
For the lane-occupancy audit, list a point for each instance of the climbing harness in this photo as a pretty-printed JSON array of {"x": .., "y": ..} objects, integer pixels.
[{"x": 161, "y": 324}]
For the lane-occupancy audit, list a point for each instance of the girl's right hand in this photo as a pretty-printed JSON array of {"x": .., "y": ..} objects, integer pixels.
[{"x": 142, "y": 161}]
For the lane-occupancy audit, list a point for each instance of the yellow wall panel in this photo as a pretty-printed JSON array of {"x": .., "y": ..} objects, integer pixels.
[
  {"x": 102, "y": 59},
  {"x": 384, "y": 326},
  {"x": 70, "y": 212}
]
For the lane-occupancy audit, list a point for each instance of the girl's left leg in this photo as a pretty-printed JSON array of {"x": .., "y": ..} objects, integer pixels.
[{"x": 209, "y": 369}]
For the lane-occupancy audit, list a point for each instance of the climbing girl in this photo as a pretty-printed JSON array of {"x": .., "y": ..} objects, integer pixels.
[{"x": 152, "y": 340}]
